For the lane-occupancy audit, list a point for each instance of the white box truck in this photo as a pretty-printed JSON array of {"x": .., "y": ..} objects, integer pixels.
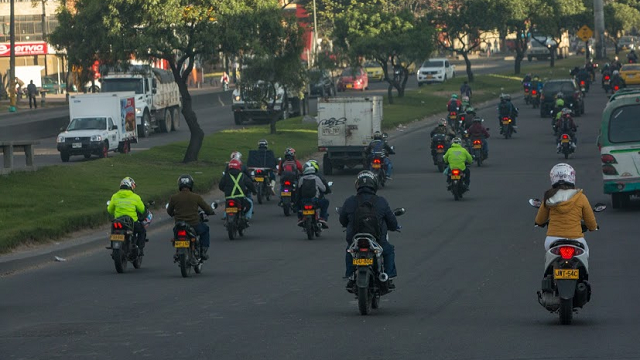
[
  {"x": 158, "y": 100},
  {"x": 99, "y": 123},
  {"x": 345, "y": 129}
]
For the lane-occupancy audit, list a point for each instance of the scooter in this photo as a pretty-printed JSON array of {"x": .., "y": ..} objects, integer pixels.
[{"x": 565, "y": 286}]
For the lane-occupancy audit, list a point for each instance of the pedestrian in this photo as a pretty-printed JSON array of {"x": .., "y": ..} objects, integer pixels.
[
  {"x": 225, "y": 81},
  {"x": 488, "y": 49},
  {"x": 495, "y": 46},
  {"x": 465, "y": 90},
  {"x": 32, "y": 91}
]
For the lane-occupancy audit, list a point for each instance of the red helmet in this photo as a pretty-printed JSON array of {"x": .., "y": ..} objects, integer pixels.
[{"x": 235, "y": 164}]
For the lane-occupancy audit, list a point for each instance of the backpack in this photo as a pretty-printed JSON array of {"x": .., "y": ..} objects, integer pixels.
[
  {"x": 365, "y": 218},
  {"x": 290, "y": 166},
  {"x": 307, "y": 189},
  {"x": 452, "y": 106},
  {"x": 504, "y": 109}
]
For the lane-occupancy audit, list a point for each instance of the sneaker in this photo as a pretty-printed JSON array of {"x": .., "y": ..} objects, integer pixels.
[
  {"x": 388, "y": 177},
  {"x": 390, "y": 284},
  {"x": 350, "y": 285},
  {"x": 323, "y": 222},
  {"x": 204, "y": 253},
  {"x": 300, "y": 222}
]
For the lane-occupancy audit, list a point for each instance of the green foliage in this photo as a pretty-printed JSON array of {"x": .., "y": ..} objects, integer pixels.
[{"x": 619, "y": 18}]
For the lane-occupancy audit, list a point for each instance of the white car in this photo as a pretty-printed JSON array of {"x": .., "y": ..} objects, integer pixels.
[{"x": 435, "y": 70}]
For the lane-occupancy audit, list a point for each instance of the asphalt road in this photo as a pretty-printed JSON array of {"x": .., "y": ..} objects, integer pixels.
[
  {"x": 214, "y": 114},
  {"x": 468, "y": 273}
]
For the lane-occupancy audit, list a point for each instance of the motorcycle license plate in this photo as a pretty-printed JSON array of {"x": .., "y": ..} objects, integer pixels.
[
  {"x": 362, "y": 262},
  {"x": 565, "y": 141},
  {"x": 455, "y": 177},
  {"x": 375, "y": 166},
  {"x": 116, "y": 237},
  {"x": 566, "y": 274},
  {"x": 308, "y": 212},
  {"x": 477, "y": 146},
  {"x": 181, "y": 243},
  {"x": 285, "y": 193},
  {"x": 606, "y": 83},
  {"x": 349, "y": 86},
  {"x": 231, "y": 210},
  {"x": 505, "y": 123},
  {"x": 259, "y": 179},
  {"x": 439, "y": 151}
]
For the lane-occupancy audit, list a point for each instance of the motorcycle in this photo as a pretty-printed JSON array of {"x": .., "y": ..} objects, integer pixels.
[
  {"x": 235, "y": 222},
  {"x": 615, "y": 89},
  {"x": 311, "y": 218},
  {"x": 455, "y": 181},
  {"x": 565, "y": 286},
  {"x": 566, "y": 145},
  {"x": 371, "y": 280},
  {"x": 286, "y": 195},
  {"x": 507, "y": 127},
  {"x": 124, "y": 243},
  {"x": 584, "y": 87},
  {"x": 439, "y": 143},
  {"x": 460, "y": 124},
  {"x": 527, "y": 92},
  {"x": 453, "y": 119},
  {"x": 263, "y": 184},
  {"x": 186, "y": 241},
  {"x": 606, "y": 83},
  {"x": 535, "y": 98},
  {"x": 478, "y": 153},
  {"x": 378, "y": 168}
]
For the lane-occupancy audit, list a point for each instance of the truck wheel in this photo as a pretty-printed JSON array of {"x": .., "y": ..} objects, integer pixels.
[
  {"x": 175, "y": 126},
  {"x": 327, "y": 169},
  {"x": 165, "y": 124},
  {"x": 104, "y": 153},
  {"x": 143, "y": 129},
  {"x": 237, "y": 118},
  {"x": 64, "y": 156}
]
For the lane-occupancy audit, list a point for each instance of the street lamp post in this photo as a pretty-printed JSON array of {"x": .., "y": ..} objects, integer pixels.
[
  {"x": 44, "y": 36},
  {"x": 12, "y": 59}
]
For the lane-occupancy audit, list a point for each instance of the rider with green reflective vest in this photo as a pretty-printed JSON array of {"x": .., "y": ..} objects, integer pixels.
[
  {"x": 458, "y": 157},
  {"x": 236, "y": 185},
  {"x": 126, "y": 202}
]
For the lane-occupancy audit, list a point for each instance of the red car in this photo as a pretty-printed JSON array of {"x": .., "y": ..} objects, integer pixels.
[{"x": 353, "y": 80}]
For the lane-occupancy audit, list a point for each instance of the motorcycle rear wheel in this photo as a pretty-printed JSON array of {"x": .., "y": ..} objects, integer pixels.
[
  {"x": 137, "y": 263},
  {"x": 566, "y": 311},
  {"x": 259, "y": 194},
  {"x": 119, "y": 260},
  {"x": 309, "y": 227},
  {"x": 364, "y": 301},
  {"x": 231, "y": 231},
  {"x": 287, "y": 210},
  {"x": 185, "y": 267}
]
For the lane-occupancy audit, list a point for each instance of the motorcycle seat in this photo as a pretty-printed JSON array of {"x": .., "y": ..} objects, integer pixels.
[{"x": 566, "y": 242}]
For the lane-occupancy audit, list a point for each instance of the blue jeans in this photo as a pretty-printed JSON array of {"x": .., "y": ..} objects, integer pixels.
[
  {"x": 485, "y": 146},
  {"x": 249, "y": 212},
  {"x": 323, "y": 203},
  {"x": 202, "y": 230},
  {"x": 388, "y": 254}
]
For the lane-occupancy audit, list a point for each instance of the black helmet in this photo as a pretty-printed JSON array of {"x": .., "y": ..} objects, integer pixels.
[
  {"x": 377, "y": 135},
  {"x": 367, "y": 179},
  {"x": 185, "y": 181},
  {"x": 263, "y": 144}
]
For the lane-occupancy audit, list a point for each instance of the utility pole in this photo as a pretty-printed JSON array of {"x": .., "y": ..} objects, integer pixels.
[
  {"x": 598, "y": 11},
  {"x": 12, "y": 60},
  {"x": 44, "y": 36}
]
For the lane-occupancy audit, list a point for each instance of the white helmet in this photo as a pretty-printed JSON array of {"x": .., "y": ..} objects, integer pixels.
[
  {"x": 465, "y": 99},
  {"x": 309, "y": 169},
  {"x": 456, "y": 140},
  {"x": 562, "y": 174},
  {"x": 237, "y": 155},
  {"x": 615, "y": 72}
]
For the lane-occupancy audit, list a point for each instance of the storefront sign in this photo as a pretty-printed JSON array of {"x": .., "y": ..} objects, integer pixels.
[{"x": 24, "y": 49}]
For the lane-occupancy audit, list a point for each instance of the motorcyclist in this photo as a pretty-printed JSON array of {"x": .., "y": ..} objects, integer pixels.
[
  {"x": 566, "y": 125},
  {"x": 236, "y": 185},
  {"x": 454, "y": 104},
  {"x": 465, "y": 90},
  {"x": 477, "y": 130},
  {"x": 616, "y": 79},
  {"x": 527, "y": 78},
  {"x": 606, "y": 71},
  {"x": 379, "y": 145},
  {"x": 536, "y": 83},
  {"x": 506, "y": 108},
  {"x": 564, "y": 207},
  {"x": 183, "y": 206},
  {"x": 125, "y": 202},
  {"x": 591, "y": 69},
  {"x": 465, "y": 103},
  {"x": 311, "y": 187},
  {"x": 583, "y": 75},
  {"x": 445, "y": 130},
  {"x": 289, "y": 169},
  {"x": 574, "y": 72},
  {"x": 632, "y": 57},
  {"x": 458, "y": 157},
  {"x": 237, "y": 155},
  {"x": 316, "y": 166},
  {"x": 266, "y": 159},
  {"x": 616, "y": 64},
  {"x": 468, "y": 120},
  {"x": 366, "y": 186}
]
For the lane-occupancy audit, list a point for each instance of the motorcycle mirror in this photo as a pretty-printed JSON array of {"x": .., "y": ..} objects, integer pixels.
[
  {"x": 108, "y": 202},
  {"x": 536, "y": 203},
  {"x": 151, "y": 203},
  {"x": 392, "y": 148},
  {"x": 166, "y": 206},
  {"x": 330, "y": 183},
  {"x": 223, "y": 173},
  {"x": 338, "y": 209},
  {"x": 399, "y": 211},
  {"x": 599, "y": 207},
  {"x": 214, "y": 205}
]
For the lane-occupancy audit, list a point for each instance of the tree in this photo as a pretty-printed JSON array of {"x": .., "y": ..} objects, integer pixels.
[
  {"x": 459, "y": 25},
  {"x": 269, "y": 45},
  {"x": 619, "y": 18},
  {"x": 178, "y": 31},
  {"x": 513, "y": 17}
]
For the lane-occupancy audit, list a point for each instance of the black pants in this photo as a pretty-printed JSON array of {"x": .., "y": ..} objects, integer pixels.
[
  {"x": 35, "y": 104},
  {"x": 141, "y": 234}
]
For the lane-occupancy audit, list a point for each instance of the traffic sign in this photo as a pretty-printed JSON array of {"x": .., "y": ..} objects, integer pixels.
[{"x": 585, "y": 33}]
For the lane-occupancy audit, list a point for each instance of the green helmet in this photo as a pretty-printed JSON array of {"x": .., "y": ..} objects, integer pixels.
[
  {"x": 454, "y": 96},
  {"x": 471, "y": 110}
]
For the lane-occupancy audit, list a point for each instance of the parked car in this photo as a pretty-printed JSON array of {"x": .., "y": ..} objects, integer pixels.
[
  {"x": 353, "y": 79},
  {"x": 630, "y": 74},
  {"x": 374, "y": 71},
  {"x": 50, "y": 85},
  {"x": 573, "y": 98},
  {"x": 321, "y": 83},
  {"x": 435, "y": 70}
]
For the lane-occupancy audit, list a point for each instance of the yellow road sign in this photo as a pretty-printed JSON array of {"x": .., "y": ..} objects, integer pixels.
[{"x": 585, "y": 33}]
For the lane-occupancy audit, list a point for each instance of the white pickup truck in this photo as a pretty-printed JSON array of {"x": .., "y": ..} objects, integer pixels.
[
  {"x": 100, "y": 123},
  {"x": 435, "y": 70}
]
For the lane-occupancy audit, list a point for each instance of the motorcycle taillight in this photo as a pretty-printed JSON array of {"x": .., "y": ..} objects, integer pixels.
[
  {"x": 182, "y": 233},
  {"x": 231, "y": 203},
  {"x": 363, "y": 243},
  {"x": 376, "y": 161},
  {"x": 565, "y": 136},
  {"x": 117, "y": 225},
  {"x": 477, "y": 142},
  {"x": 308, "y": 207},
  {"x": 606, "y": 78},
  {"x": 287, "y": 183},
  {"x": 440, "y": 146},
  {"x": 566, "y": 252},
  {"x": 533, "y": 92},
  {"x": 455, "y": 172}
]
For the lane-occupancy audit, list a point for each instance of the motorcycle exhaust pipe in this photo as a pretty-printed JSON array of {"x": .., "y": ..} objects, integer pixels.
[{"x": 383, "y": 277}]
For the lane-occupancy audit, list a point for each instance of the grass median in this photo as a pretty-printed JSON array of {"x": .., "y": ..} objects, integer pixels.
[{"x": 57, "y": 200}]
